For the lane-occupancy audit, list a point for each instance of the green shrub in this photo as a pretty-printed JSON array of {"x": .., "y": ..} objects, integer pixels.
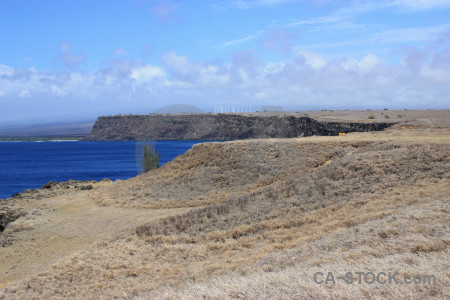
[
  {"x": 150, "y": 161},
  {"x": 371, "y": 117}
]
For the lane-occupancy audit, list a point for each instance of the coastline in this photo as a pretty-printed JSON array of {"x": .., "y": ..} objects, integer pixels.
[
  {"x": 224, "y": 217},
  {"x": 32, "y": 164}
]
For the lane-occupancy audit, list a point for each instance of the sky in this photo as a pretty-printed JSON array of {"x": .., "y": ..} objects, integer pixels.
[{"x": 73, "y": 60}]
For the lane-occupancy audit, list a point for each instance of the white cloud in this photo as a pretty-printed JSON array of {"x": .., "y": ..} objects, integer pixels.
[
  {"x": 147, "y": 73},
  {"x": 274, "y": 68},
  {"x": 390, "y": 38},
  {"x": 368, "y": 62},
  {"x": 363, "y": 66},
  {"x": 261, "y": 95},
  {"x": 164, "y": 9},
  {"x": 407, "y": 35},
  {"x": 213, "y": 75},
  {"x": 278, "y": 39},
  {"x": 69, "y": 59},
  {"x": 309, "y": 81},
  {"x": 5, "y": 70},
  {"x": 24, "y": 94},
  {"x": 57, "y": 91},
  {"x": 120, "y": 53},
  {"x": 177, "y": 64},
  {"x": 436, "y": 75},
  {"x": 345, "y": 19},
  {"x": 247, "y": 4},
  {"x": 361, "y": 7},
  {"x": 242, "y": 40},
  {"x": 421, "y": 4},
  {"x": 64, "y": 47},
  {"x": 185, "y": 73},
  {"x": 314, "y": 60}
]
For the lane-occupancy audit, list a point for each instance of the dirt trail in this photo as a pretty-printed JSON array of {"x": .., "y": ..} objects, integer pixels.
[{"x": 58, "y": 226}]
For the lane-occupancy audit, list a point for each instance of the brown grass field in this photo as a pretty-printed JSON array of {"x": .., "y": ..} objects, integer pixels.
[{"x": 251, "y": 219}]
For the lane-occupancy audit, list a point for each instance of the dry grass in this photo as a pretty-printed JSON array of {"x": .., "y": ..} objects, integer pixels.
[
  {"x": 212, "y": 173},
  {"x": 409, "y": 118},
  {"x": 278, "y": 211}
]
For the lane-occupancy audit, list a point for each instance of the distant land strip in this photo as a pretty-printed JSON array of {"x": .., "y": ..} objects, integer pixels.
[
  {"x": 219, "y": 127},
  {"x": 41, "y": 139}
]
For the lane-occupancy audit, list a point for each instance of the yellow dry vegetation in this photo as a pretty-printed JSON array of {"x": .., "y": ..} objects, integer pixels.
[{"x": 263, "y": 216}]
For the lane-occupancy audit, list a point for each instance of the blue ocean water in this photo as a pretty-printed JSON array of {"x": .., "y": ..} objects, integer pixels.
[{"x": 29, "y": 165}]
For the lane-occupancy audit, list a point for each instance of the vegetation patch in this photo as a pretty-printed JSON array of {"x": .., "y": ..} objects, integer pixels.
[{"x": 266, "y": 216}]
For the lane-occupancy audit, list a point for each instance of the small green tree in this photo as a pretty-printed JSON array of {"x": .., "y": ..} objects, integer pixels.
[{"x": 150, "y": 161}]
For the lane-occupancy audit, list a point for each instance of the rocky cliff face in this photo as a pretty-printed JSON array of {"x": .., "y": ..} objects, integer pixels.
[{"x": 218, "y": 127}]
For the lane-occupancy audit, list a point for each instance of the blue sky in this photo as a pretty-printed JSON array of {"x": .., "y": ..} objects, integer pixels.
[{"x": 74, "y": 60}]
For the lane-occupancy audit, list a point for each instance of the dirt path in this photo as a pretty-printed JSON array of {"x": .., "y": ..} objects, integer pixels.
[{"x": 58, "y": 226}]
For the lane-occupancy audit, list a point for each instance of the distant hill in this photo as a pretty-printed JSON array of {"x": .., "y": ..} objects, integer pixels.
[{"x": 47, "y": 130}]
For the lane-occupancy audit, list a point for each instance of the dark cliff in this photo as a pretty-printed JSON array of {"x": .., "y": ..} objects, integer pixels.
[{"x": 217, "y": 127}]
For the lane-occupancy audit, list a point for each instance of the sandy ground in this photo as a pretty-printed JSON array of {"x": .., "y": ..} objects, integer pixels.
[{"x": 60, "y": 225}]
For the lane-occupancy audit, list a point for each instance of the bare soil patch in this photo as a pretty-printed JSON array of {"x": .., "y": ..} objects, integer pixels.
[{"x": 58, "y": 223}]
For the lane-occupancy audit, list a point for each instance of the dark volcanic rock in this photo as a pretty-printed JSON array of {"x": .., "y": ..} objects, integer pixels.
[
  {"x": 219, "y": 127},
  {"x": 49, "y": 184},
  {"x": 86, "y": 187},
  {"x": 7, "y": 216}
]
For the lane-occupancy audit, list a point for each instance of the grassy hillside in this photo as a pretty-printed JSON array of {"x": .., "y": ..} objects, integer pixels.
[{"x": 266, "y": 216}]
